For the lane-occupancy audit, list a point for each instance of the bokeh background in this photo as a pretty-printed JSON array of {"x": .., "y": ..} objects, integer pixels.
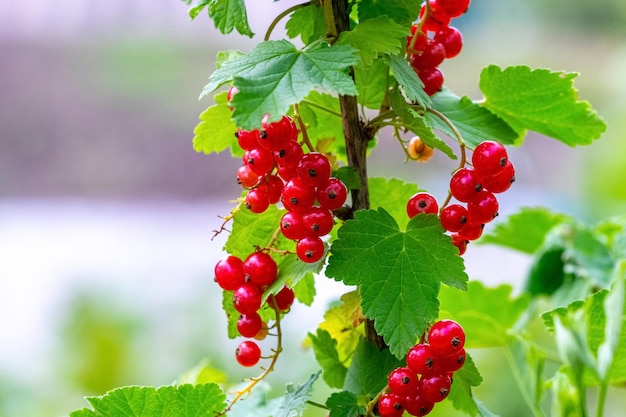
[{"x": 107, "y": 213}]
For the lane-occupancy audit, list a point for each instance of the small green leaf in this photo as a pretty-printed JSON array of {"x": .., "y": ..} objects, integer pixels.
[
  {"x": 322, "y": 115},
  {"x": 229, "y": 15},
  {"x": 308, "y": 23},
  {"x": 387, "y": 192},
  {"x": 375, "y": 37},
  {"x": 541, "y": 100},
  {"x": 343, "y": 324},
  {"x": 398, "y": 273},
  {"x": 216, "y": 130},
  {"x": 410, "y": 83},
  {"x": 257, "y": 402},
  {"x": 203, "y": 400},
  {"x": 566, "y": 397},
  {"x": 196, "y": 10},
  {"x": 344, "y": 404},
  {"x": 275, "y": 75},
  {"x": 304, "y": 289},
  {"x": 367, "y": 374},
  {"x": 461, "y": 389},
  {"x": 291, "y": 270},
  {"x": 372, "y": 84},
  {"x": 250, "y": 230},
  {"x": 401, "y": 11},
  {"x": 325, "y": 349},
  {"x": 348, "y": 176},
  {"x": 295, "y": 399}
]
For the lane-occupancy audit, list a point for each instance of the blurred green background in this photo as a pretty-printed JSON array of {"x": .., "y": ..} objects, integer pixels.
[{"x": 106, "y": 212}]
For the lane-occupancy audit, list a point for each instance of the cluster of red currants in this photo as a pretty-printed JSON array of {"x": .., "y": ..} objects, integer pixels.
[
  {"x": 491, "y": 173},
  {"x": 427, "y": 52},
  {"x": 427, "y": 377},
  {"x": 248, "y": 279}
]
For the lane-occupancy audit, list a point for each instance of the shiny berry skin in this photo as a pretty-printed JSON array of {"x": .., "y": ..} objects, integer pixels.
[
  {"x": 247, "y": 139},
  {"x": 248, "y": 353},
  {"x": 333, "y": 194},
  {"x": 483, "y": 208},
  {"x": 460, "y": 242},
  {"x": 318, "y": 221},
  {"x": 314, "y": 169},
  {"x": 501, "y": 181},
  {"x": 451, "y": 39},
  {"x": 453, "y": 217},
  {"x": 274, "y": 136},
  {"x": 283, "y": 298},
  {"x": 433, "y": 54},
  {"x": 390, "y": 405},
  {"x": 432, "y": 79},
  {"x": 229, "y": 273},
  {"x": 421, "y": 359},
  {"x": 437, "y": 18},
  {"x": 489, "y": 158},
  {"x": 246, "y": 177},
  {"x": 453, "y": 362},
  {"x": 446, "y": 337},
  {"x": 297, "y": 196},
  {"x": 261, "y": 161},
  {"x": 287, "y": 172},
  {"x": 247, "y": 299},
  {"x": 402, "y": 381},
  {"x": 310, "y": 249},
  {"x": 292, "y": 226},
  {"x": 417, "y": 406},
  {"x": 453, "y": 8},
  {"x": 289, "y": 154},
  {"x": 421, "y": 203},
  {"x": 435, "y": 388},
  {"x": 420, "y": 41},
  {"x": 274, "y": 186},
  {"x": 260, "y": 269},
  {"x": 257, "y": 200},
  {"x": 465, "y": 184},
  {"x": 472, "y": 230},
  {"x": 249, "y": 325}
]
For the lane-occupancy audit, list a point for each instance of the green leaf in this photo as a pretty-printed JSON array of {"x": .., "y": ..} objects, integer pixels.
[
  {"x": 461, "y": 389},
  {"x": 487, "y": 314},
  {"x": 401, "y": 11},
  {"x": 529, "y": 365},
  {"x": 375, "y": 37},
  {"x": 343, "y": 324},
  {"x": 566, "y": 397},
  {"x": 344, "y": 404},
  {"x": 304, "y": 289},
  {"x": 408, "y": 80},
  {"x": 296, "y": 397},
  {"x": 349, "y": 176},
  {"x": 547, "y": 271},
  {"x": 197, "y": 9},
  {"x": 367, "y": 374},
  {"x": 398, "y": 272},
  {"x": 203, "y": 400},
  {"x": 257, "y": 402},
  {"x": 229, "y": 15},
  {"x": 526, "y": 230},
  {"x": 216, "y": 130},
  {"x": 475, "y": 123},
  {"x": 322, "y": 115},
  {"x": 541, "y": 100},
  {"x": 291, "y": 270},
  {"x": 325, "y": 349},
  {"x": 386, "y": 192},
  {"x": 250, "y": 230},
  {"x": 275, "y": 75},
  {"x": 372, "y": 84},
  {"x": 308, "y": 23}
]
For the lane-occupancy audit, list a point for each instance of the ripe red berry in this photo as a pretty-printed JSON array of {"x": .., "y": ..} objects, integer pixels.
[
  {"x": 421, "y": 203},
  {"x": 248, "y": 353},
  {"x": 261, "y": 160},
  {"x": 247, "y": 139},
  {"x": 432, "y": 79},
  {"x": 229, "y": 272},
  {"x": 417, "y": 406},
  {"x": 437, "y": 18},
  {"x": 275, "y": 135},
  {"x": 318, "y": 221},
  {"x": 247, "y": 299},
  {"x": 284, "y": 298},
  {"x": 421, "y": 359},
  {"x": 310, "y": 249},
  {"x": 420, "y": 40},
  {"x": 465, "y": 184},
  {"x": 483, "y": 208},
  {"x": 501, "y": 181},
  {"x": 489, "y": 158},
  {"x": 289, "y": 154},
  {"x": 249, "y": 325},
  {"x": 260, "y": 269},
  {"x": 314, "y": 169},
  {"x": 453, "y": 217},
  {"x": 298, "y": 196},
  {"x": 446, "y": 337},
  {"x": 453, "y": 8},
  {"x": 451, "y": 39},
  {"x": 390, "y": 405},
  {"x": 246, "y": 177},
  {"x": 287, "y": 172},
  {"x": 292, "y": 226},
  {"x": 460, "y": 242},
  {"x": 403, "y": 381},
  {"x": 453, "y": 362},
  {"x": 333, "y": 194},
  {"x": 257, "y": 200},
  {"x": 435, "y": 388},
  {"x": 472, "y": 230},
  {"x": 274, "y": 186},
  {"x": 432, "y": 55}
]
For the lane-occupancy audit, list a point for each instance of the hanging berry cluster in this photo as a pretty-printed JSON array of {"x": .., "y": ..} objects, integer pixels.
[
  {"x": 433, "y": 40},
  {"x": 491, "y": 173},
  {"x": 427, "y": 377}
]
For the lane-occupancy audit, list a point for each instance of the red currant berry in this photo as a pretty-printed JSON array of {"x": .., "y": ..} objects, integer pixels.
[
  {"x": 435, "y": 388},
  {"x": 310, "y": 249},
  {"x": 297, "y": 196},
  {"x": 229, "y": 273},
  {"x": 247, "y": 299},
  {"x": 453, "y": 8},
  {"x": 289, "y": 154},
  {"x": 437, "y": 18},
  {"x": 420, "y": 41},
  {"x": 451, "y": 39},
  {"x": 247, "y": 139},
  {"x": 318, "y": 221},
  {"x": 452, "y": 363},
  {"x": 489, "y": 158},
  {"x": 246, "y": 177},
  {"x": 333, "y": 194},
  {"x": 433, "y": 54},
  {"x": 248, "y": 353},
  {"x": 432, "y": 79},
  {"x": 460, "y": 242},
  {"x": 446, "y": 337},
  {"x": 453, "y": 217},
  {"x": 483, "y": 208},
  {"x": 260, "y": 269},
  {"x": 284, "y": 298},
  {"x": 390, "y": 405},
  {"x": 417, "y": 406},
  {"x": 421, "y": 203},
  {"x": 257, "y": 200},
  {"x": 421, "y": 359},
  {"x": 465, "y": 184},
  {"x": 249, "y": 325},
  {"x": 314, "y": 169},
  {"x": 261, "y": 161},
  {"x": 403, "y": 381},
  {"x": 274, "y": 136},
  {"x": 472, "y": 230},
  {"x": 501, "y": 181},
  {"x": 292, "y": 226},
  {"x": 274, "y": 186},
  {"x": 287, "y": 172}
]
